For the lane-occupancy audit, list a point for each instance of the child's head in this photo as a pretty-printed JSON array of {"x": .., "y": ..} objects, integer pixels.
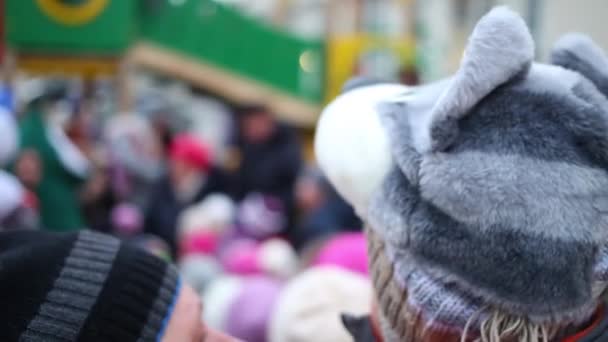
[
  {"x": 485, "y": 193},
  {"x": 188, "y": 157}
]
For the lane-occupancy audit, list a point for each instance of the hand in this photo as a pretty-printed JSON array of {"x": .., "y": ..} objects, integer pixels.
[
  {"x": 216, "y": 336},
  {"x": 185, "y": 324}
]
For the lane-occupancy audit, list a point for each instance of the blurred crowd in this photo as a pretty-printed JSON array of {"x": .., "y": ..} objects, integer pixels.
[{"x": 224, "y": 193}]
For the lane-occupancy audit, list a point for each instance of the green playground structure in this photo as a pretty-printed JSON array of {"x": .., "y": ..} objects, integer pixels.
[{"x": 204, "y": 42}]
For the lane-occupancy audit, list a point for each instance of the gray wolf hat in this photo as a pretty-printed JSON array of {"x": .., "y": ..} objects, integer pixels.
[{"x": 488, "y": 189}]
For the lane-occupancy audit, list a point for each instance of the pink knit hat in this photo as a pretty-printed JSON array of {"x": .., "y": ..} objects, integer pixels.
[
  {"x": 200, "y": 243},
  {"x": 273, "y": 257},
  {"x": 346, "y": 250},
  {"x": 192, "y": 151},
  {"x": 240, "y": 257}
]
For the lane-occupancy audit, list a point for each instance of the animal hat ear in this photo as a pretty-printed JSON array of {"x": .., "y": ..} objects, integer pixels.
[
  {"x": 578, "y": 52},
  {"x": 499, "y": 49}
]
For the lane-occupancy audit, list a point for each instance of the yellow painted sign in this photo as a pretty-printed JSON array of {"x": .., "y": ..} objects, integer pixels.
[
  {"x": 73, "y": 14},
  {"x": 363, "y": 54},
  {"x": 88, "y": 68}
]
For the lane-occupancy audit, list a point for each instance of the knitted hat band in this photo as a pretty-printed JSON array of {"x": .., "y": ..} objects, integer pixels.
[{"x": 91, "y": 287}]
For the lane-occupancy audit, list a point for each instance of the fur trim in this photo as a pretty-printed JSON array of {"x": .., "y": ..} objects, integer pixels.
[
  {"x": 351, "y": 145},
  {"x": 579, "y": 52},
  {"x": 499, "y": 49}
]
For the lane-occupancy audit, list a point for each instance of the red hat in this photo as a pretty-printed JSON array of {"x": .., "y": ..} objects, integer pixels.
[{"x": 192, "y": 151}]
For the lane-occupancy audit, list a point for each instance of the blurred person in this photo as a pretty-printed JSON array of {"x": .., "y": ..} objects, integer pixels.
[
  {"x": 242, "y": 306},
  {"x": 7, "y": 96},
  {"x": 409, "y": 75},
  {"x": 28, "y": 170},
  {"x": 322, "y": 212},
  {"x": 311, "y": 304},
  {"x": 202, "y": 226},
  {"x": 9, "y": 136},
  {"x": 199, "y": 271},
  {"x": 90, "y": 287},
  {"x": 17, "y": 211},
  {"x": 190, "y": 178},
  {"x": 79, "y": 126},
  {"x": 211, "y": 119},
  {"x": 57, "y": 162},
  {"x": 252, "y": 308},
  {"x": 218, "y": 298},
  {"x": 267, "y": 158},
  {"x": 161, "y": 122},
  {"x": 273, "y": 257},
  {"x": 126, "y": 220},
  {"x": 19, "y": 205},
  {"x": 97, "y": 196},
  {"x": 97, "y": 200},
  {"x": 216, "y": 211},
  {"x": 136, "y": 156},
  {"x": 278, "y": 258},
  {"x": 240, "y": 257},
  {"x": 260, "y": 217},
  {"x": 163, "y": 118},
  {"x": 484, "y": 194}
]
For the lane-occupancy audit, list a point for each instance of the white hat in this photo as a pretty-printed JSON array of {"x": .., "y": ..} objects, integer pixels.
[
  {"x": 278, "y": 258},
  {"x": 215, "y": 213},
  {"x": 310, "y": 306},
  {"x": 218, "y": 298}
]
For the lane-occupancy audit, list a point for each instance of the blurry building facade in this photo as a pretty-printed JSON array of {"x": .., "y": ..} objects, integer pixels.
[{"x": 442, "y": 27}]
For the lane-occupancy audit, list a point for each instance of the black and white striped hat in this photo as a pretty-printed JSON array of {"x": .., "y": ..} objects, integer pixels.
[{"x": 82, "y": 287}]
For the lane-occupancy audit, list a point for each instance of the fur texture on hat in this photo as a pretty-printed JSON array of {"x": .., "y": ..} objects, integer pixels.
[{"x": 489, "y": 188}]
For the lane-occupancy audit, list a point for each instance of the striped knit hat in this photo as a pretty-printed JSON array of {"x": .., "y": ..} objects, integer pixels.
[
  {"x": 82, "y": 287},
  {"x": 485, "y": 192}
]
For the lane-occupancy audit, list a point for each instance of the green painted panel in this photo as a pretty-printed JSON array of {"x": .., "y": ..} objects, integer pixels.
[
  {"x": 111, "y": 31},
  {"x": 216, "y": 34}
]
